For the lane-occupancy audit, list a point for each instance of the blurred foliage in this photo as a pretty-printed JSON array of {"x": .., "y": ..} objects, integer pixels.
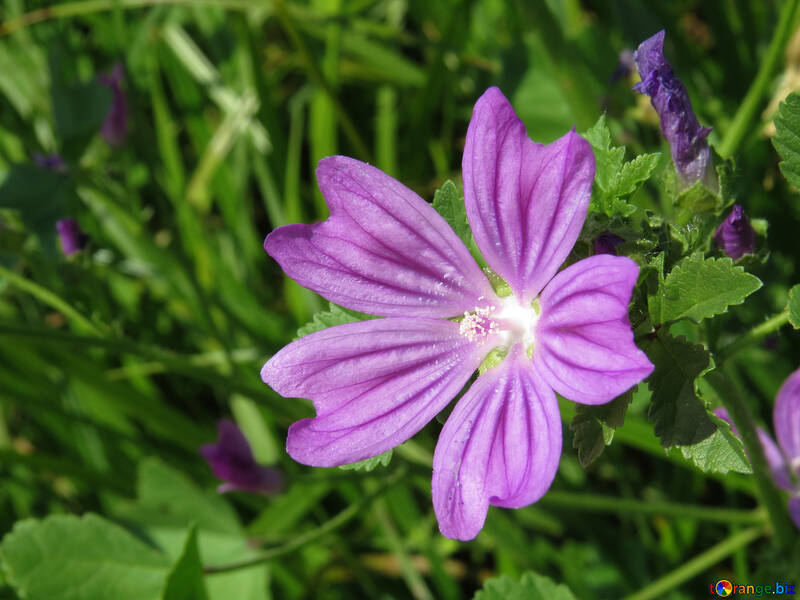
[{"x": 116, "y": 363}]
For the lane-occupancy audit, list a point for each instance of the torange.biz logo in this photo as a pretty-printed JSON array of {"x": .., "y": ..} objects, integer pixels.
[{"x": 725, "y": 588}]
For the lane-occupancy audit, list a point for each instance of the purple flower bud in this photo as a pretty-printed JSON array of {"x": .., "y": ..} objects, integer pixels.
[
  {"x": 735, "y": 236},
  {"x": 71, "y": 237},
  {"x": 54, "y": 162},
  {"x": 606, "y": 243},
  {"x": 686, "y": 137},
  {"x": 232, "y": 461},
  {"x": 625, "y": 66},
  {"x": 115, "y": 127}
]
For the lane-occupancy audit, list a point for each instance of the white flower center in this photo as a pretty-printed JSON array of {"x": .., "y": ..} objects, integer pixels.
[{"x": 506, "y": 320}]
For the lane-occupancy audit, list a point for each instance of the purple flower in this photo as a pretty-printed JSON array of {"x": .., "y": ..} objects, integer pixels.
[
  {"x": 606, "y": 243},
  {"x": 54, "y": 162},
  {"x": 232, "y": 461},
  {"x": 686, "y": 137},
  {"x": 735, "y": 236},
  {"x": 625, "y": 66},
  {"x": 70, "y": 235},
  {"x": 387, "y": 252},
  {"x": 115, "y": 127},
  {"x": 783, "y": 458}
]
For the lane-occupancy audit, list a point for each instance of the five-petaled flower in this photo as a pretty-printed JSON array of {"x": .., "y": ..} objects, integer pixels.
[
  {"x": 387, "y": 252},
  {"x": 784, "y": 458}
]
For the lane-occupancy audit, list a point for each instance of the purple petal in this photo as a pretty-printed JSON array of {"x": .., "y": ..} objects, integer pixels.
[
  {"x": 794, "y": 510},
  {"x": 70, "y": 235},
  {"x": 735, "y": 236},
  {"x": 526, "y": 202},
  {"x": 686, "y": 137},
  {"x": 232, "y": 461},
  {"x": 775, "y": 459},
  {"x": 115, "y": 126},
  {"x": 383, "y": 251},
  {"x": 374, "y": 384},
  {"x": 786, "y": 415},
  {"x": 584, "y": 342},
  {"x": 500, "y": 446}
]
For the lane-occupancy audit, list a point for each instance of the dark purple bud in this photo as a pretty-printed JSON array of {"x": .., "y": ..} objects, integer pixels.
[
  {"x": 54, "y": 162},
  {"x": 115, "y": 127},
  {"x": 71, "y": 237},
  {"x": 625, "y": 66},
  {"x": 686, "y": 137},
  {"x": 735, "y": 236},
  {"x": 232, "y": 461},
  {"x": 606, "y": 243}
]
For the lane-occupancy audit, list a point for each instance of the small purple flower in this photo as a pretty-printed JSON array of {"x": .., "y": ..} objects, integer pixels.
[
  {"x": 686, "y": 137},
  {"x": 115, "y": 127},
  {"x": 625, "y": 66},
  {"x": 735, "y": 236},
  {"x": 54, "y": 162},
  {"x": 232, "y": 461},
  {"x": 783, "y": 458},
  {"x": 606, "y": 243},
  {"x": 387, "y": 252},
  {"x": 70, "y": 235}
]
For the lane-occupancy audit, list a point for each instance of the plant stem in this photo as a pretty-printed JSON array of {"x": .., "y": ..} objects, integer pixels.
[
  {"x": 769, "y": 495},
  {"x": 742, "y": 120},
  {"x": 599, "y": 503},
  {"x": 755, "y": 334},
  {"x": 309, "y": 536},
  {"x": 52, "y": 299},
  {"x": 698, "y": 564}
]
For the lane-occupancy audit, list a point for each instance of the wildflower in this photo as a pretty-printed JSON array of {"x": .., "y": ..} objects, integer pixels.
[
  {"x": 783, "y": 458},
  {"x": 232, "y": 461},
  {"x": 387, "y": 252},
  {"x": 70, "y": 235},
  {"x": 686, "y": 137},
  {"x": 735, "y": 236},
  {"x": 115, "y": 127},
  {"x": 606, "y": 243}
]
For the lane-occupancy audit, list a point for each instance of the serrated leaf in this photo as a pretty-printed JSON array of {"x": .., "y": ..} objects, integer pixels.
[
  {"x": 632, "y": 174},
  {"x": 530, "y": 586},
  {"x": 335, "y": 315},
  {"x": 608, "y": 159},
  {"x": 787, "y": 138},
  {"x": 594, "y": 426},
  {"x": 679, "y": 415},
  {"x": 449, "y": 202},
  {"x": 369, "y": 464},
  {"x": 699, "y": 288},
  {"x": 794, "y": 306},
  {"x": 65, "y": 557},
  {"x": 720, "y": 452}
]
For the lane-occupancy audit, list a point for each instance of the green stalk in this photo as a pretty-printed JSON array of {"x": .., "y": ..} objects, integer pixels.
[
  {"x": 742, "y": 120},
  {"x": 768, "y": 494},
  {"x": 755, "y": 334},
  {"x": 698, "y": 564},
  {"x": 306, "y": 538},
  {"x": 613, "y": 504}
]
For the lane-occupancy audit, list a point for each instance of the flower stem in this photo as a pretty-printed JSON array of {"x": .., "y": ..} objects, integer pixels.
[
  {"x": 698, "y": 564},
  {"x": 742, "y": 120},
  {"x": 768, "y": 494},
  {"x": 310, "y": 536},
  {"x": 599, "y": 503},
  {"x": 755, "y": 334}
]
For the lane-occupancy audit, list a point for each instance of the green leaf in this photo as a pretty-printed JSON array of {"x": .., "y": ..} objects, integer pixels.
[
  {"x": 679, "y": 415},
  {"x": 794, "y": 306},
  {"x": 335, "y": 315},
  {"x": 370, "y": 463},
  {"x": 530, "y": 586},
  {"x": 720, "y": 452},
  {"x": 787, "y": 138},
  {"x": 185, "y": 582},
  {"x": 449, "y": 203},
  {"x": 594, "y": 426},
  {"x": 699, "y": 288},
  {"x": 65, "y": 557},
  {"x": 615, "y": 181}
]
